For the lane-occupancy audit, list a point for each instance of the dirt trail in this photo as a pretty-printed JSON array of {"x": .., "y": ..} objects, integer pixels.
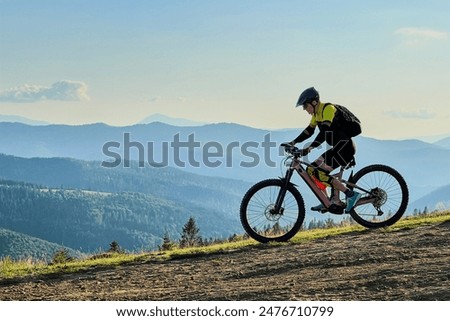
[{"x": 373, "y": 265}]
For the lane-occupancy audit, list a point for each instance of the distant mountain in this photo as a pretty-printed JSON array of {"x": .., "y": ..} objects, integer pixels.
[
  {"x": 19, "y": 246},
  {"x": 433, "y": 138},
  {"x": 225, "y": 150},
  {"x": 445, "y": 142},
  {"x": 436, "y": 200},
  {"x": 20, "y": 119},
  {"x": 170, "y": 120}
]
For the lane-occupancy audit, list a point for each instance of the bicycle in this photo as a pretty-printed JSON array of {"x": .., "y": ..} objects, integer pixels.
[{"x": 274, "y": 210}]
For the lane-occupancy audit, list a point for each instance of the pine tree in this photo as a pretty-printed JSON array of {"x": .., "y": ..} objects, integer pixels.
[
  {"x": 114, "y": 247},
  {"x": 62, "y": 256},
  {"x": 190, "y": 236},
  {"x": 167, "y": 244}
]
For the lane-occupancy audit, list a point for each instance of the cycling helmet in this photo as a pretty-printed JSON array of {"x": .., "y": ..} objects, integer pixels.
[{"x": 307, "y": 96}]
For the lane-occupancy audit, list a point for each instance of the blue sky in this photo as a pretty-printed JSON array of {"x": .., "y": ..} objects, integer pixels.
[{"x": 117, "y": 62}]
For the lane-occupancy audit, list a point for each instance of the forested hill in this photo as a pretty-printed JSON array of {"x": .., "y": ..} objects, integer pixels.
[
  {"x": 19, "y": 246},
  {"x": 84, "y": 206},
  {"x": 87, "y": 220},
  {"x": 71, "y": 173},
  {"x": 216, "y": 194}
]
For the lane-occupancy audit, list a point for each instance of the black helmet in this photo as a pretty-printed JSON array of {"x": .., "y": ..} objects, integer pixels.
[{"x": 307, "y": 96}]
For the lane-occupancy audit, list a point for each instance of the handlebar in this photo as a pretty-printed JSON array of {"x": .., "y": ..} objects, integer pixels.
[{"x": 294, "y": 151}]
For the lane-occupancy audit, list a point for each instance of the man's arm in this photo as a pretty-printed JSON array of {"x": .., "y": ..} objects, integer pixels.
[
  {"x": 304, "y": 135},
  {"x": 320, "y": 138}
]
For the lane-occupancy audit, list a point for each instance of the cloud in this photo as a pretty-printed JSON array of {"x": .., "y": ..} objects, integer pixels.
[
  {"x": 65, "y": 90},
  {"x": 416, "y": 36},
  {"x": 411, "y": 114}
]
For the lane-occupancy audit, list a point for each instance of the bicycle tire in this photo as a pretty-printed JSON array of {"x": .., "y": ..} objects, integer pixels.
[
  {"x": 264, "y": 226},
  {"x": 393, "y": 192}
]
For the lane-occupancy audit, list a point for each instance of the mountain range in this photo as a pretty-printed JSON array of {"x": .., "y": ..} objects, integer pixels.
[
  {"x": 20, "y": 119},
  {"x": 160, "y": 118},
  {"x": 224, "y": 150}
]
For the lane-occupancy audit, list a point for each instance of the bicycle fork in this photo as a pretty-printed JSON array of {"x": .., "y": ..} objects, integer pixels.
[{"x": 278, "y": 208}]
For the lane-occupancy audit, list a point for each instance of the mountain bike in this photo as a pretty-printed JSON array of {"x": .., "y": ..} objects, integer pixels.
[{"x": 274, "y": 210}]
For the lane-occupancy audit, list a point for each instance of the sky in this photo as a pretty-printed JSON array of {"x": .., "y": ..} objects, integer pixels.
[{"x": 246, "y": 61}]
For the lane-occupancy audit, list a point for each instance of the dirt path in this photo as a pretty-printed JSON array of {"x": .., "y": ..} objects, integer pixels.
[{"x": 402, "y": 265}]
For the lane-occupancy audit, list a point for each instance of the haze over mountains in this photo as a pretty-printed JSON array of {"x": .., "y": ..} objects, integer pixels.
[
  {"x": 20, "y": 119},
  {"x": 199, "y": 171}
]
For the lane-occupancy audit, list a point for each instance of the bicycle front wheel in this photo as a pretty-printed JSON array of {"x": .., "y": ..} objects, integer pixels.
[
  {"x": 258, "y": 215},
  {"x": 387, "y": 196}
]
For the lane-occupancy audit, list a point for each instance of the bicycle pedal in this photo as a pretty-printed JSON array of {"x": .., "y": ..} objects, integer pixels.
[
  {"x": 319, "y": 208},
  {"x": 336, "y": 209}
]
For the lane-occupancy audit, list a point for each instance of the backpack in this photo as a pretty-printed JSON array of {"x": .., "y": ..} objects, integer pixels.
[{"x": 350, "y": 124}]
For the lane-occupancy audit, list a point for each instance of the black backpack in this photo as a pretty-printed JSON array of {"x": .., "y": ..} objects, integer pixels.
[{"x": 350, "y": 124}]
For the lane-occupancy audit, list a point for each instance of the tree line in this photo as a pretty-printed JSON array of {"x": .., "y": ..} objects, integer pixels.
[{"x": 190, "y": 234}]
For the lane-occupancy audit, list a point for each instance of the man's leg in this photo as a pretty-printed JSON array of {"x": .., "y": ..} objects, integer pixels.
[
  {"x": 340, "y": 155},
  {"x": 320, "y": 170}
]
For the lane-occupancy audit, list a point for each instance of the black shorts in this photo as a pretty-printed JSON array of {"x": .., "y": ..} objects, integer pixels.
[{"x": 339, "y": 155}]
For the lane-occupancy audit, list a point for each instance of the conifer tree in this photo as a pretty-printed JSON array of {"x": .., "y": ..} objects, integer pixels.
[
  {"x": 167, "y": 244},
  {"x": 190, "y": 236},
  {"x": 114, "y": 247}
]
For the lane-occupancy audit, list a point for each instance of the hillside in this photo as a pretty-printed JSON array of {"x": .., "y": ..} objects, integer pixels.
[
  {"x": 87, "y": 220},
  {"x": 19, "y": 246},
  {"x": 438, "y": 199},
  {"x": 139, "y": 204},
  {"x": 217, "y": 194},
  {"x": 404, "y": 264}
]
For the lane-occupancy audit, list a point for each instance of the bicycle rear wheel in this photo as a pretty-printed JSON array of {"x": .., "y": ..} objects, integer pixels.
[
  {"x": 387, "y": 199},
  {"x": 259, "y": 219}
]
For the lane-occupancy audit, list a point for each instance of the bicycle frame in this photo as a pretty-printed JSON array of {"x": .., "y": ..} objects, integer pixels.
[
  {"x": 322, "y": 196},
  {"x": 296, "y": 165}
]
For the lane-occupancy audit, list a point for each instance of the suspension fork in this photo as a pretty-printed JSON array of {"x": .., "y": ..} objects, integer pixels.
[{"x": 282, "y": 193}]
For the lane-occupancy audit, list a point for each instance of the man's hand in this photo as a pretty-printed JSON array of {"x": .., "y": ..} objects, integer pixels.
[{"x": 289, "y": 147}]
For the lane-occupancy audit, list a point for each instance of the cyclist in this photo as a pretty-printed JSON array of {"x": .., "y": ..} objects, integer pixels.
[{"x": 332, "y": 131}]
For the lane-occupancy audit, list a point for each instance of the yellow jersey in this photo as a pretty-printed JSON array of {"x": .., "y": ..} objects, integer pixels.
[{"x": 324, "y": 114}]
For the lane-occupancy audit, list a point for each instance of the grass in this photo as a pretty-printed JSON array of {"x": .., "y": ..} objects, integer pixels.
[
  {"x": 10, "y": 269},
  {"x": 17, "y": 269}
]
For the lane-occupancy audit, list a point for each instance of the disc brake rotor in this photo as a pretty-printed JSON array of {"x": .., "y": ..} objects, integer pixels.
[{"x": 270, "y": 213}]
